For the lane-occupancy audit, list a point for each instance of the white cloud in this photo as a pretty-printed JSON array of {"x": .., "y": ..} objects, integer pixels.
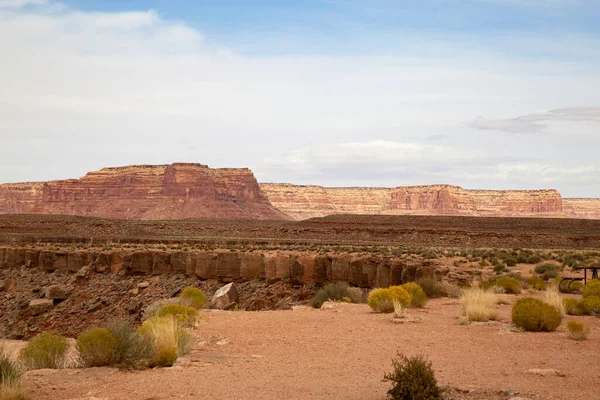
[
  {"x": 531, "y": 122},
  {"x": 21, "y": 3}
]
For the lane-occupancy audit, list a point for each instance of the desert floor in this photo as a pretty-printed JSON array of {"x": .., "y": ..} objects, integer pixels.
[{"x": 342, "y": 353}]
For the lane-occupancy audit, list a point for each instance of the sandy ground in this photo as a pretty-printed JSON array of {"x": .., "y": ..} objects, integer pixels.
[{"x": 342, "y": 353}]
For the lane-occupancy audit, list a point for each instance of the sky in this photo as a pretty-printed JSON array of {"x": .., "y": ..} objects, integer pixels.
[{"x": 483, "y": 94}]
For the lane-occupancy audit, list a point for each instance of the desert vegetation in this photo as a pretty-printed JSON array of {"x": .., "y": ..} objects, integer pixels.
[{"x": 412, "y": 378}]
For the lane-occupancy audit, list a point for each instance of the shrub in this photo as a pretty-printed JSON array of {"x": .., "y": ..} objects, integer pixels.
[
  {"x": 534, "y": 315},
  {"x": 574, "y": 307},
  {"x": 450, "y": 290},
  {"x": 418, "y": 298},
  {"x": 536, "y": 283},
  {"x": 97, "y": 347},
  {"x": 479, "y": 305},
  {"x": 578, "y": 330},
  {"x": 592, "y": 289},
  {"x": 510, "y": 285},
  {"x": 187, "y": 315},
  {"x": 9, "y": 370},
  {"x": 133, "y": 349},
  {"x": 553, "y": 298},
  {"x": 510, "y": 262},
  {"x": 534, "y": 259},
  {"x": 332, "y": 291},
  {"x": 541, "y": 268},
  {"x": 169, "y": 337},
  {"x": 381, "y": 300},
  {"x": 355, "y": 294},
  {"x": 431, "y": 287},
  {"x": 412, "y": 379},
  {"x": 193, "y": 297},
  {"x": 45, "y": 350},
  {"x": 151, "y": 309},
  {"x": 550, "y": 274},
  {"x": 591, "y": 305}
]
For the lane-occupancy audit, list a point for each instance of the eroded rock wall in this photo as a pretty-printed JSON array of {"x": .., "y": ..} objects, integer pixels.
[
  {"x": 302, "y": 202},
  {"x": 175, "y": 191},
  {"x": 228, "y": 266}
]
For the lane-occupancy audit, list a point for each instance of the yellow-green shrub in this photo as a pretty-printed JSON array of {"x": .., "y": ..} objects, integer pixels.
[
  {"x": 510, "y": 285},
  {"x": 186, "y": 315},
  {"x": 574, "y": 307},
  {"x": 578, "y": 330},
  {"x": 45, "y": 350},
  {"x": 592, "y": 289},
  {"x": 382, "y": 300},
  {"x": 193, "y": 297},
  {"x": 169, "y": 337},
  {"x": 534, "y": 315},
  {"x": 418, "y": 298},
  {"x": 591, "y": 305},
  {"x": 97, "y": 347}
]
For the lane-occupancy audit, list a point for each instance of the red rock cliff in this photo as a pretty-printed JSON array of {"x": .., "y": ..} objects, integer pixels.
[
  {"x": 301, "y": 202},
  {"x": 173, "y": 191}
]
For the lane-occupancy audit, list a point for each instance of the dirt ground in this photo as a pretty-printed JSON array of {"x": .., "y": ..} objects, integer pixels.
[{"x": 342, "y": 353}]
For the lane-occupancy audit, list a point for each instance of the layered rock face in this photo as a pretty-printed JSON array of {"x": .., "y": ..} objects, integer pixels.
[
  {"x": 302, "y": 202},
  {"x": 173, "y": 191},
  {"x": 582, "y": 208}
]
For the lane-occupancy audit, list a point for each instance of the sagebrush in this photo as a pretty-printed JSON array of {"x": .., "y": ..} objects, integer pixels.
[{"x": 412, "y": 379}]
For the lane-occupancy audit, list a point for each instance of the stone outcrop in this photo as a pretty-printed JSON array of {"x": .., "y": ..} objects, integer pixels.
[
  {"x": 226, "y": 266},
  {"x": 175, "y": 191},
  {"x": 582, "y": 208},
  {"x": 303, "y": 202},
  {"x": 226, "y": 298}
]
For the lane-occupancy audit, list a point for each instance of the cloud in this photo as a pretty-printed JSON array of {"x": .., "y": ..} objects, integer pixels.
[
  {"x": 21, "y": 3},
  {"x": 530, "y": 123}
]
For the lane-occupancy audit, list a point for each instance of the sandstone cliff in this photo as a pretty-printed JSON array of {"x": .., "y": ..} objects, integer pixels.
[
  {"x": 582, "y": 208},
  {"x": 173, "y": 191},
  {"x": 302, "y": 202}
]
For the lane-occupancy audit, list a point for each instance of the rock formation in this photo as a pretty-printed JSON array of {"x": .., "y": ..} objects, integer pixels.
[
  {"x": 175, "y": 191},
  {"x": 582, "y": 208},
  {"x": 302, "y": 202}
]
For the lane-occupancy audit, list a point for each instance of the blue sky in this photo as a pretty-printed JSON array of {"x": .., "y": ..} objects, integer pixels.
[{"x": 489, "y": 94}]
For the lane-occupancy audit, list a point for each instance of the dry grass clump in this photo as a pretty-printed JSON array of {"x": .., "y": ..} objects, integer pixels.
[
  {"x": 12, "y": 391},
  {"x": 479, "y": 305},
  {"x": 553, "y": 298},
  {"x": 133, "y": 350},
  {"x": 45, "y": 350},
  {"x": 450, "y": 290},
  {"x": 169, "y": 337},
  {"x": 151, "y": 309},
  {"x": 398, "y": 309},
  {"x": 10, "y": 373},
  {"x": 578, "y": 330}
]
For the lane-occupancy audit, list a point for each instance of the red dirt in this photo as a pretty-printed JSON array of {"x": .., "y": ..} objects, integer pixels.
[{"x": 342, "y": 353}]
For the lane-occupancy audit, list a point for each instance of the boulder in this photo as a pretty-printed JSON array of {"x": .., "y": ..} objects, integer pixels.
[
  {"x": 55, "y": 292},
  {"x": 40, "y": 306},
  {"x": 226, "y": 297}
]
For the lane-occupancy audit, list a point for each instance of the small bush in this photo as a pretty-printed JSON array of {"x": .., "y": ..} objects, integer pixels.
[
  {"x": 510, "y": 261},
  {"x": 591, "y": 305},
  {"x": 193, "y": 297},
  {"x": 592, "y": 289},
  {"x": 355, "y": 294},
  {"x": 332, "y": 291},
  {"x": 381, "y": 300},
  {"x": 9, "y": 370},
  {"x": 431, "y": 287},
  {"x": 536, "y": 283},
  {"x": 553, "y": 298},
  {"x": 418, "y": 298},
  {"x": 97, "y": 347},
  {"x": 534, "y": 259},
  {"x": 150, "y": 310},
  {"x": 412, "y": 379},
  {"x": 574, "y": 307},
  {"x": 578, "y": 330},
  {"x": 450, "y": 290},
  {"x": 534, "y": 315},
  {"x": 133, "y": 349},
  {"x": 479, "y": 305},
  {"x": 169, "y": 337},
  {"x": 45, "y": 350},
  {"x": 187, "y": 315},
  {"x": 510, "y": 285}
]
